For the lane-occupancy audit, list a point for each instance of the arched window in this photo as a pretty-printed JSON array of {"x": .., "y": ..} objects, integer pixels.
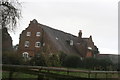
[{"x": 25, "y": 54}]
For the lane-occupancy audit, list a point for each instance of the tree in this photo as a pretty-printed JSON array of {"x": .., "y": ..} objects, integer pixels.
[
  {"x": 62, "y": 57},
  {"x": 9, "y": 13},
  {"x": 12, "y": 58}
]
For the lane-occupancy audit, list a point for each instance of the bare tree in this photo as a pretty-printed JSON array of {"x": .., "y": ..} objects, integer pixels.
[{"x": 10, "y": 12}]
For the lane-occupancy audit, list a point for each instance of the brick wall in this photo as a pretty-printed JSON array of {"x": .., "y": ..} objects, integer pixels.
[{"x": 80, "y": 45}]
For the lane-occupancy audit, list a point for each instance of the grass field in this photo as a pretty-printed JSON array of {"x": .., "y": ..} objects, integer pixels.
[
  {"x": 5, "y": 74},
  {"x": 84, "y": 75},
  {"x": 18, "y": 75}
]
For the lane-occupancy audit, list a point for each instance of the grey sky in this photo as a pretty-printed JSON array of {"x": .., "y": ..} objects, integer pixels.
[{"x": 98, "y": 18}]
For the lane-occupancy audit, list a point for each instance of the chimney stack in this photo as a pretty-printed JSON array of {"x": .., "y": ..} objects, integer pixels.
[
  {"x": 90, "y": 37},
  {"x": 80, "y": 34}
]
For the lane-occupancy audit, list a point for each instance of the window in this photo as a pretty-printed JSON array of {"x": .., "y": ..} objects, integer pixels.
[
  {"x": 28, "y": 34},
  {"x": 56, "y": 38},
  {"x": 90, "y": 48},
  {"x": 25, "y": 54},
  {"x": 37, "y": 44},
  {"x": 71, "y": 42},
  {"x": 27, "y": 43},
  {"x": 38, "y": 34},
  {"x": 43, "y": 44}
]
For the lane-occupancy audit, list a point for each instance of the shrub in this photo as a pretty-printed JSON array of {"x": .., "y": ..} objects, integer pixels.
[
  {"x": 38, "y": 60},
  {"x": 99, "y": 64},
  {"x": 11, "y": 58},
  {"x": 72, "y": 61},
  {"x": 62, "y": 57},
  {"x": 42, "y": 59},
  {"x": 54, "y": 60}
]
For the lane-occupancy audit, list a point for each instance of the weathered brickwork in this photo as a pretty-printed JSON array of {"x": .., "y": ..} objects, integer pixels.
[{"x": 53, "y": 41}]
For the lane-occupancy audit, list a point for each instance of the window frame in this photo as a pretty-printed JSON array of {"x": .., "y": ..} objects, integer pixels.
[
  {"x": 44, "y": 44},
  {"x": 71, "y": 42},
  {"x": 28, "y": 34},
  {"x": 36, "y": 44},
  {"x": 25, "y": 54},
  {"x": 27, "y": 43},
  {"x": 38, "y": 34}
]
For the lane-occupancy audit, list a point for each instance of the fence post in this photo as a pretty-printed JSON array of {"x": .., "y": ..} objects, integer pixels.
[
  {"x": 106, "y": 75},
  {"x": 10, "y": 75},
  {"x": 48, "y": 71},
  {"x": 67, "y": 71},
  {"x": 89, "y": 74},
  {"x": 39, "y": 77},
  {"x": 95, "y": 75},
  {"x": 112, "y": 75}
]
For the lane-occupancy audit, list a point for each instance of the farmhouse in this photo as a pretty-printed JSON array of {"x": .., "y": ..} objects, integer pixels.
[{"x": 38, "y": 38}]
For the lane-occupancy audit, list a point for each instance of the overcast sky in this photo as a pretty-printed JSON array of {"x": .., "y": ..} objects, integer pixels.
[{"x": 98, "y": 18}]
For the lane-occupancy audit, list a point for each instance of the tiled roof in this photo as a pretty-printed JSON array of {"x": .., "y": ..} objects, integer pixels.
[{"x": 59, "y": 38}]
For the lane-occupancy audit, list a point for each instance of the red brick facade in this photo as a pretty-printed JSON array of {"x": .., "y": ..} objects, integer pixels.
[{"x": 53, "y": 41}]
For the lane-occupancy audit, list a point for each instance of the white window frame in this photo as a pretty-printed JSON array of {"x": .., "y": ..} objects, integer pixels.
[
  {"x": 90, "y": 48},
  {"x": 25, "y": 54},
  {"x": 27, "y": 44},
  {"x": 38, "y": 33},
  {"x": 28, "y": 34},
  {"x": 37, "y": 44}
]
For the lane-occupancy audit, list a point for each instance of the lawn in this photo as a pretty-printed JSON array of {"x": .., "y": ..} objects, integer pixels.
[{"x": 5, "y": 74}]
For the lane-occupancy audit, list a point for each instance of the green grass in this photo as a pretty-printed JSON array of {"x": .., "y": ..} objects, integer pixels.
[
  {"x": 84, "y": 75},
  {"x": 18, "y": 75}
]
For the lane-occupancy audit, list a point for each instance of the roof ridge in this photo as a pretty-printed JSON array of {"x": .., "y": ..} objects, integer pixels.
[{"x": 57, "y": 30}]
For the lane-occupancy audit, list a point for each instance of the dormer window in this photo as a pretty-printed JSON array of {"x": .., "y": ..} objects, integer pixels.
[
  {"x": 27, "y": 43},
  {"x": 37, "y": 33},
  {"x": 56, "y": 38},
  {"x": 28, "y": 34},
  {"x": 43, "y": 44},
  {"x": 37, "y": 44},
  {"x": 71, "y": 42}
]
